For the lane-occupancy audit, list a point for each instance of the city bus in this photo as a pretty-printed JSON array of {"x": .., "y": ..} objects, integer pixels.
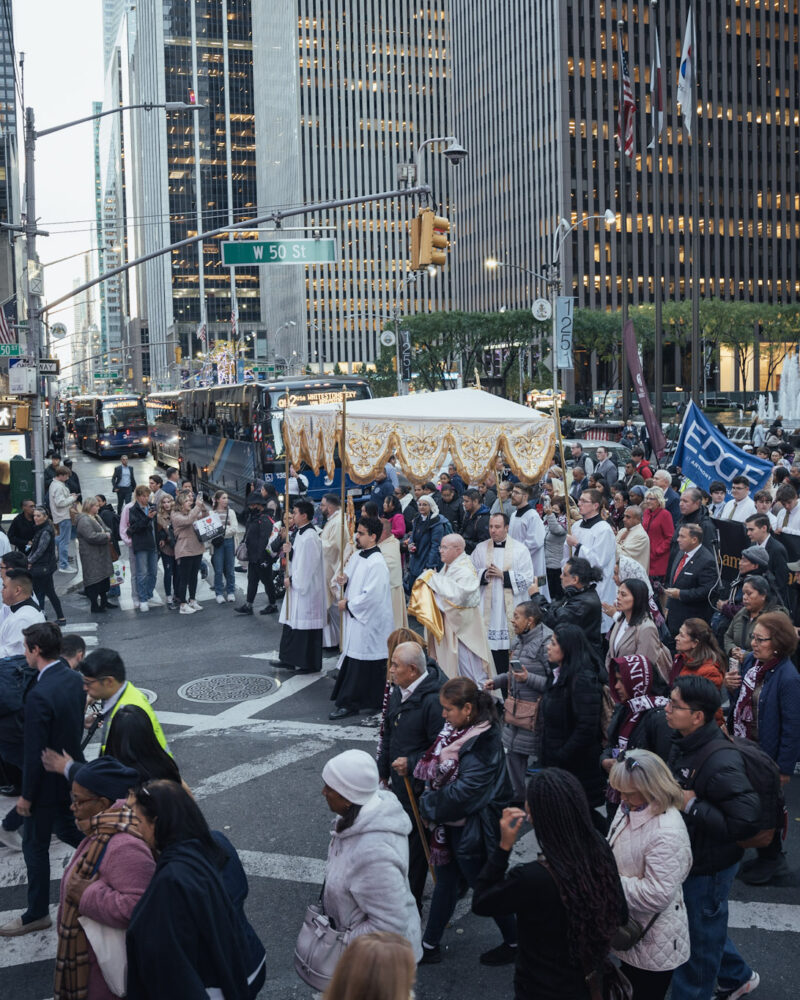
[
  {"x": 231, "y": 435},
  {"x": 163, "y": 412},
  {"x": 108, "y": 426}
]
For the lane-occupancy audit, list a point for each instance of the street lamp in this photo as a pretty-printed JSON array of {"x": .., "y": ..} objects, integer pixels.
[
  {"x": 553, "y": 279},
  {"x": 31, "y": 232}
]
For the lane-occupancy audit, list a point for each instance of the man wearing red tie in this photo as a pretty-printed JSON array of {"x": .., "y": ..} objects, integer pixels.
[{"x": 692, "y": 577}]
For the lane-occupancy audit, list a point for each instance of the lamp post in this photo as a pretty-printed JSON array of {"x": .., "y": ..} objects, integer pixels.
[
  {"x": 31, "y": 232},
  {"x": 553, "y": 278}
]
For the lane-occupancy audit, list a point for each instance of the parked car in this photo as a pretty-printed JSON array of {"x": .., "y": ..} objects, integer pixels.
[{"x": 618, "y": 452}]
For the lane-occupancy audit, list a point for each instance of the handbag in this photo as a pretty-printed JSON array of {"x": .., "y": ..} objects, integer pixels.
[
  {"x": 318, "y": 949},
  {"x": 208, "y": 528},
  {"x": 117, "y": 577},
  {"x": 219, "y": 539},
  {"x": 108, "y": 945},
  {"x": 241, "y": 552},
  {"x": 631, "y": 933},
  {"x": 610, "y": 983},
  {"x": 522, "y": 714}
]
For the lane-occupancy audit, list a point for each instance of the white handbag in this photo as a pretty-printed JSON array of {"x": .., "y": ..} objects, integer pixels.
[{"x": 108, "y": 944}]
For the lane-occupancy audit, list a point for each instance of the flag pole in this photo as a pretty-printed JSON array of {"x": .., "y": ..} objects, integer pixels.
[
  {"x": 286, "y": 493},
  {"x": 623, "y": 373},
  {"x": 695, "y": 160},
  {"x": 657, "y": 100}
]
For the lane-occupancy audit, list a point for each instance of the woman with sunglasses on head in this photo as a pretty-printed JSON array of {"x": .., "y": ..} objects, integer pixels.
[
  {"x": 765, "y": 695},
  {"x": 653, "y": 854}
]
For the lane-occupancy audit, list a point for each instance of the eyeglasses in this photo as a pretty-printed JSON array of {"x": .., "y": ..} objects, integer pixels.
[
  {"x": 676, "y": 706},
  {"x": 82, "y": 802},
  {"x": 759, "y": 638}
]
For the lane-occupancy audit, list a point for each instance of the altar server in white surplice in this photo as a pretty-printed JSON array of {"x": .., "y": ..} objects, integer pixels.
[
  {"x": 367, "y": 622},
  {"x": 505, "y": 571},
  {"x": 463, "y": 650},
  {"x": 527, "y": 527},
  {"x": 304, "y": 605},
  {"x": 592, "y": 539}
]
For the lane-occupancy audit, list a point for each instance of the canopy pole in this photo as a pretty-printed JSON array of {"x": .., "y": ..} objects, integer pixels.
[
  {"x": 286, "y": 493},
  {"x": 563, "y": 462},
  {"x": 343, "y": 515}
]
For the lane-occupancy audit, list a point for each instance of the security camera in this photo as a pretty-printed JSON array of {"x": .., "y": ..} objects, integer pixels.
[{"x": 455, "y": 152}]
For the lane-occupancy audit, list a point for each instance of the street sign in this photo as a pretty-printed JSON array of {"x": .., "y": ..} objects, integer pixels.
[
  {"x": 106, "y": 374},
  {"x": 22, "y": 376},
  {"x": 49, "y": 366},
  {"x": 267, "y": 369},
  {"x": 250, "y": 253},
  {"x": 58, "y": 331},
  {"x": 9, "y": 350},
  {"x": 565, "y": 319}
]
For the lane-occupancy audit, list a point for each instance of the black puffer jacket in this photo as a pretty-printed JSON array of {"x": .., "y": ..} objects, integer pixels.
[
  {"x": 475, "y": 528},
  {"x": 256, "y": 535},
  {"x": 452, "y": 510},
  {"x": 569, "y": 721},
  {"x": 576, "y": 607},
  {"x": 726, "y": 809},
  {"x": 410, "y": 727},
  {"x": 479, "y": 794}
]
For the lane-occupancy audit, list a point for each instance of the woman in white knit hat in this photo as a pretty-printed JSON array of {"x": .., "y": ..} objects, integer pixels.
[{"x": 366, "y": 881}]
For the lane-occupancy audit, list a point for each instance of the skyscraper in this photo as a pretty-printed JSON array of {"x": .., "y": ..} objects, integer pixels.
[{"x": 10, "y": 262}]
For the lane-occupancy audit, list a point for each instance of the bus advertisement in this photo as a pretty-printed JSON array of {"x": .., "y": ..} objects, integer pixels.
[{"x": 108, "y": 426}]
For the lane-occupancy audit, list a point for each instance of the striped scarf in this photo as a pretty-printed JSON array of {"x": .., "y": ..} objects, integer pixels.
[{"x": 72, "y": 957}]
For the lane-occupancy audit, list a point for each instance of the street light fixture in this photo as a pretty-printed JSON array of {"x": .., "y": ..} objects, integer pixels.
[{"x": 553, "y": 280}]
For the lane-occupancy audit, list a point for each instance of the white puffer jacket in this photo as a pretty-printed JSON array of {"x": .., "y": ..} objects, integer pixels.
[
  {"x": 366, "y": 882},
  {"x": 653, "y": 857}
]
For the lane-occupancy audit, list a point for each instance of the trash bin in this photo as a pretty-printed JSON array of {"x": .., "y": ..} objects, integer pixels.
[{"x": 22, "y": 483}]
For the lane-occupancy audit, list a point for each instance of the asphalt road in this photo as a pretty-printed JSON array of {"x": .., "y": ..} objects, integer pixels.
[{"x": 255, "y": 766}]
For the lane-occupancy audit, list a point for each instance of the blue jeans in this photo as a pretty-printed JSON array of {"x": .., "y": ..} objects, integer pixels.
[
  {"x": 62, "y": 543},
  {"x": 445, "y": 893},
  {"x": 146, "y": 570},
  {"x": 222, "y": 559},
  {"x": 714, "y": 958},
  {"x": 44, "y": 821}
]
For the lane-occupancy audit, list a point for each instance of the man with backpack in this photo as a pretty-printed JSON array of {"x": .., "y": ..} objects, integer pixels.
[{"x": 721, "y": 808}]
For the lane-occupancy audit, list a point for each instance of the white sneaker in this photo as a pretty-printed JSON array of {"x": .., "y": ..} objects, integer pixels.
[
  {"x": 135, "y": 604},
  {"x": 196, "y": 605},
  {"x": 156, "y": 600},
  {"x": 740, "y": 991},
  {"x": 144, "y": 606},
  {"x": 231, "y": 598},
  {"x": 186, "y": 609},
  {"x": 220, "y": 599},
  {"x": 11, "y": 838}
]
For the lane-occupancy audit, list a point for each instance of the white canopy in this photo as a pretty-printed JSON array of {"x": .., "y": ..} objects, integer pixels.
[{"x": 421, "y": 428}]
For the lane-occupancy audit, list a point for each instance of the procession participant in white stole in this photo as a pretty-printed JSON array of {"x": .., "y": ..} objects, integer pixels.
[
  {"x": 331, "y": 538},
  {"x": 390, "y": 548},
  {"x": 303, "y": 610},
  {"x": 593, "y": 539},
  {"x": 527, "y": 527},
  {"x": 463, "y": 650},
  {"x": 367, "y": 622},
  {"x": 505, "y": 570}
]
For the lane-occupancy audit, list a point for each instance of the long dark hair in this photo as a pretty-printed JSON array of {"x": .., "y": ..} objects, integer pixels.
[
  {"x": 578, "y": 654},
  {"x": 132, "y": 742},
  {"x": 641, "y": 600},
  {"x": 580, "y": 861},
  {"x": 460, "y": 691},
  {"x": 177, "y": 818}
]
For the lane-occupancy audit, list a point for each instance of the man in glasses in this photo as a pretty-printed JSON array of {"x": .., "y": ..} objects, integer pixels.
[{"x": 720, "y": 808}]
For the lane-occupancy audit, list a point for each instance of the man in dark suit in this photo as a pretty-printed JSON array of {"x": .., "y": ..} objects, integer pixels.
[
  {"x": 692, "y": 575},
  {"x": 693, "y": 512},
  {"x": 672, "y": 500},
  {"x": 123, "y": 483},
  {"x": 54, "y": 712},
  {"x": 759, "y": 532}
]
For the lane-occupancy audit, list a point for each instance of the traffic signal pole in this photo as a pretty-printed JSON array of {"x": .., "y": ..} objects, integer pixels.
[{"x": 34, "y": 313}]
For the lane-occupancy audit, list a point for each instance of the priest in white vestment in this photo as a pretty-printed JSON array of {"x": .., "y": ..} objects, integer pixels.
[
  {"x": 593, "y": 539},
  {"x": 527, "y": 527},
  {"x": 332, "y": 554},
  {"x": 390, "y": 548},
  {"x": 462, "y": 650},
  {"x": 304, "y": 604},
  {"x": 367, "y": 623},
  {"x": 505, "y": 572}
]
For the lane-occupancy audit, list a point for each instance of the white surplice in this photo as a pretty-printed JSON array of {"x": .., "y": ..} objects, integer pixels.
[
  {"x": 331, "y": 539},
  {"x": 368, "y": 619},
  {"x": 514, "y": 556},
  {"x": 598, "y": 546},
  {"x": 527, "y": 527},
  {"x": 307, "y": 596}
]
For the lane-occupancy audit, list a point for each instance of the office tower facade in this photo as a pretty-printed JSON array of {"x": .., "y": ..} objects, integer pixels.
[
  {"x": 550, "y": 112},
  {"x": 10, "y": 259}
]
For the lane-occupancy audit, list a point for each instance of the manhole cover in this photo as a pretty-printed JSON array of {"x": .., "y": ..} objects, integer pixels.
[
  {"x": 150, "y": 695},
  {"x": 227, "y": 687}
]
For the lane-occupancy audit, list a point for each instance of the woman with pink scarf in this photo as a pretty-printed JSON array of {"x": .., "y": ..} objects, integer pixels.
[{"x": 467, "y": 788}]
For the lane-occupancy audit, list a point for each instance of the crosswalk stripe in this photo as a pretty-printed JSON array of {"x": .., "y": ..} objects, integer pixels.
[{"x": 225, "y": 780}]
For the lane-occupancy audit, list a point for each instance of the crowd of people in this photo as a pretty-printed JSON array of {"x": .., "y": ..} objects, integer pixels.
[{"x": 581, "y": 668}]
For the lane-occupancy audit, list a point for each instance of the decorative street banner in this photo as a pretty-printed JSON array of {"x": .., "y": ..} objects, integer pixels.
[
  {"x": 657, "y": 440},
  {"x": 705, "y": 454},
  {"x": 565, "y": 321}
]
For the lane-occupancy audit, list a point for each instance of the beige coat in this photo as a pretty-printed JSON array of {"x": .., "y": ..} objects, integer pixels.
[
  {"x": 637, "y": 640},
  {"x": 186, "y": 541},
  {"x": 635, "y": 542},
  {"x": 390, "y": 547}
]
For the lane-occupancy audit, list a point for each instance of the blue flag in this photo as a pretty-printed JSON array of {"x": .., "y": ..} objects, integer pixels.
[{"x": 705, "y": 454}]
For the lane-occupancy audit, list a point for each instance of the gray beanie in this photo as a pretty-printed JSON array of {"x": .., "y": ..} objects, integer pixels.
[
  {"x": 353, "y": 774},
  {"x": 755, "y": 554}
]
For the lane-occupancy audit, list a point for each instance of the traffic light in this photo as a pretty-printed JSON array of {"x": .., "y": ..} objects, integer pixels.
[
  {"x": 429, "y": 240},
  {"x": 178, "y": 355}
]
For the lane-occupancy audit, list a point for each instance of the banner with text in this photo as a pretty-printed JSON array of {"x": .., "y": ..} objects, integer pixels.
[
  {"x": 657, "y": 440},
  {"x": 565, "y": 321},
  {"x": 705, "y": 454}
]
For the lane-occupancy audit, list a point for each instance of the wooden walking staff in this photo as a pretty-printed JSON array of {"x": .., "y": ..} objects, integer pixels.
[
  {"x": 286, "y": 493},
  {"x": 423, "y": 833},
  {"x": 563, "y": 464},
  {"x": 343, "y": 515}
]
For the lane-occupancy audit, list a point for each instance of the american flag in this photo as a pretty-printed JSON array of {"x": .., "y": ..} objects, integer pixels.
[
  {"x": 7, "y": 335},
  {"x": 627, "y": 105},
  {"x": 234, "y": 322},
  {"x": 201, "y": 333}
]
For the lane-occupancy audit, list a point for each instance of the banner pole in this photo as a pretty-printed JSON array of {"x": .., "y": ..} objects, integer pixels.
[
  {"x": 557, "y": 413},
  {"x": 343, "y": 514},
  {"x": 286, "y": 492}
]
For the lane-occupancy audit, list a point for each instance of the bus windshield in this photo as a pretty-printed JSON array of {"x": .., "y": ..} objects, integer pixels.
[
  {"x": 121, "y": 413},
  {"x": 304, "y": 396}
]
